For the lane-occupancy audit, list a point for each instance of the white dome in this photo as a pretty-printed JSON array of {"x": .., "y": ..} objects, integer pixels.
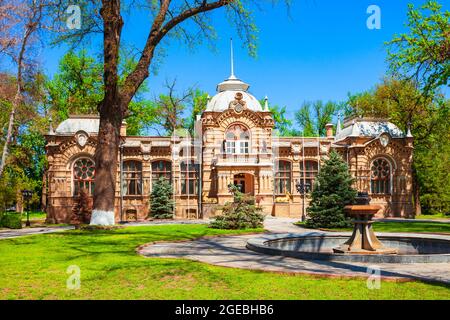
[{"x": 226, "y": 93}]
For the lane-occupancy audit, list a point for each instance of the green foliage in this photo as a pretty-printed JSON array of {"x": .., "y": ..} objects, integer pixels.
[
  {"x": 199, "y": 102},
  {"x": 423, "y": 54},
  {"x": 332, "y": 192},
  {"x": 77, "y": 86},
  {"x": 161, "y": 201},
  {"x": 283, "y": 125},
  {"x": 242, "y": 213},
  {"x": 11, "y": 220},
  {"x": 314, "y": 116}
]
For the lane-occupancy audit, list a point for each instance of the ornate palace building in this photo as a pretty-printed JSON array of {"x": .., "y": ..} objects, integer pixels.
[{"x": 235, "y": 143}]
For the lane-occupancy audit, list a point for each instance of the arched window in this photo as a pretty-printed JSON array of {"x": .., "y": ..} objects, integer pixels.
[
  {"x": 132, "y": 178},
  {"x": 83, "y": 176},
  {"x": 237, "y": 140},
  {"x": 283, "y": 177},
  {"x": 380, "y": 176},
  {"x": 189, "y": 177},
  {"x": 161, "y": 169},
  {"x": 309, "y": 172}
]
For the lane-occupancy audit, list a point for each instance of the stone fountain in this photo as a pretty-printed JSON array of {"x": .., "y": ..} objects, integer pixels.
[
  {"x": 363, "y": 246},
  {"x": 363, "y": 239}
]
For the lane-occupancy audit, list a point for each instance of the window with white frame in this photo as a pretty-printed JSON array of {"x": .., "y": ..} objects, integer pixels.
[{"x": 237, "y": 140}]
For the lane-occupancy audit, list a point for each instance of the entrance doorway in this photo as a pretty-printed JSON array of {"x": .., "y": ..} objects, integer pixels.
[{"x": 245, "y": 182}]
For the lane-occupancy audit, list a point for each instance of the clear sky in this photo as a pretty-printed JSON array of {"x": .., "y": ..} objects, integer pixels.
[{"x": 322, "y": 50}]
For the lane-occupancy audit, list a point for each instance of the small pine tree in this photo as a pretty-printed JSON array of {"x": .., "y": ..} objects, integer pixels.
[
  {"x": 332, "y": 192},
  {"x": 162, "y": 204},
  {"x": 242, "y": 213}
]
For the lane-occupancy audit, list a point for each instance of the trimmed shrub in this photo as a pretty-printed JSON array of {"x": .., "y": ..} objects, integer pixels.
[
  {"x": 242, "y": 213},
  {"x": 11, "y": 220}
]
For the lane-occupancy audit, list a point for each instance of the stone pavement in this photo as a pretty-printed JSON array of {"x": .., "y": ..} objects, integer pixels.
[{"x": 230, "y": 251}]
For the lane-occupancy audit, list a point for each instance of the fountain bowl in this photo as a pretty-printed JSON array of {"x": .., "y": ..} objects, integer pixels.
[{"x": 410, "y": 248}]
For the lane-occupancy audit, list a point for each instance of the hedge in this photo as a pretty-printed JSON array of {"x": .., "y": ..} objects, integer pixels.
[{"x": 11, "y": 220}]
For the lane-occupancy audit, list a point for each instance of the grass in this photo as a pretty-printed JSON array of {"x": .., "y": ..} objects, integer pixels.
[
  {"x": 35, "y": 267},
  {"x": 34, "y": 216},
  {"x": 394, "y": 226},
  {"x": 433, "y": 216}
]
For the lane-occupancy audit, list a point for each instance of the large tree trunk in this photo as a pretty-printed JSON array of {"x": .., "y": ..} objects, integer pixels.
[
  {"x": 106, "y": 165},
  {"x": 111, "y": 115},
  {"x": 114, "y": 106},
  {"x": 416, "y": 192}
]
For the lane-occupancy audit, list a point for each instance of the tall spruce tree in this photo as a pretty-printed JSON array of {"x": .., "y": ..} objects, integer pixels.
[
  {"x": 162, "y": 204},
  {"x": 332, "y": 192}
]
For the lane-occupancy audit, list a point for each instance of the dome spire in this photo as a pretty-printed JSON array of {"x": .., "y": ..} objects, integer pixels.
[{"x": 232, "y": 76}]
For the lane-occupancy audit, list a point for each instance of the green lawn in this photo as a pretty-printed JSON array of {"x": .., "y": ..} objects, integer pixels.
[
  {"x": 34, "y": 216},
  {"x": 35, "y": 267},
  {"x": 433, "y": 216},
  {"x": 416, "y": 227}
]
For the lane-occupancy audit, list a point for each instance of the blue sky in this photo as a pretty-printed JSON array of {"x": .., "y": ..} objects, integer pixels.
[{"x": 322, "y": 50}]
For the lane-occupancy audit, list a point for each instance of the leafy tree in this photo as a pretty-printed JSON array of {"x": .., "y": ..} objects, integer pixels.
[
  {"x": 170, "y": 19},
  {"x": 283, "y": 125},
  {"x": 242, "y": 213},
  {"x": 161, "y": 201},
  {"x": 26, "y": 159},
  {"x": 423, "y": 54},
  {"x": 313, "y": 117},
  {"x": 198, "y": 105},
  {"x": 76, "y": 88},
  {"x": 21, "y": 22},
  {"x": 332, "y": 192}
]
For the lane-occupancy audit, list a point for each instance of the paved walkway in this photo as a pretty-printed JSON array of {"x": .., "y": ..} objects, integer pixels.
[
  {"x": 230, "y": 251},
  {"x": 14, "y": 233}
]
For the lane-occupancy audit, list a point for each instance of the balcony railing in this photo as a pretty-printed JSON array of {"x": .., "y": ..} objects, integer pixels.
[{"x": 243, "y": 158}]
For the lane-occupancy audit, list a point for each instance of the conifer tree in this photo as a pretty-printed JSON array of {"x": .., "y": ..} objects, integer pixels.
[
  {"x": 332, "y": 192},
  {"x": 162, "y": 204},
  {"x": 242, "y": 213}
]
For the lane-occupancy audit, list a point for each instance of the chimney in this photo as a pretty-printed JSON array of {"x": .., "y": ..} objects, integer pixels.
[
  {"x": 329, "y": 129},
  {"x": 123, "y": 129}
]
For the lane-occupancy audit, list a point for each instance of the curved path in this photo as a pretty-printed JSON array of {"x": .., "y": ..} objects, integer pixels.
[{"x": 230, "y": 251}]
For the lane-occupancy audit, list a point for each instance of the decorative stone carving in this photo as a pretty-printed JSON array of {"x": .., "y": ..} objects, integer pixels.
[
  {"x": 82, "y": 138},
  {"x": 238, "y": 104}
]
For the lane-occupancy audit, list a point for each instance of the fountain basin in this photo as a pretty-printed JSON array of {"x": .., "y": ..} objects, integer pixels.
[{"x": 410, "y": 248}]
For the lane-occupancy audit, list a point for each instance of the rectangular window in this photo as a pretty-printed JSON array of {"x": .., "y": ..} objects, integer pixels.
[
  {"x": 230, "y": 147},
  {"x": 161, "y": 169},
  {"x": 132, "y": 178},
  {"x": 244, "y": 147},
  {"x": 189, "y": 178},
  {"x": 283, "y": 177}
]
